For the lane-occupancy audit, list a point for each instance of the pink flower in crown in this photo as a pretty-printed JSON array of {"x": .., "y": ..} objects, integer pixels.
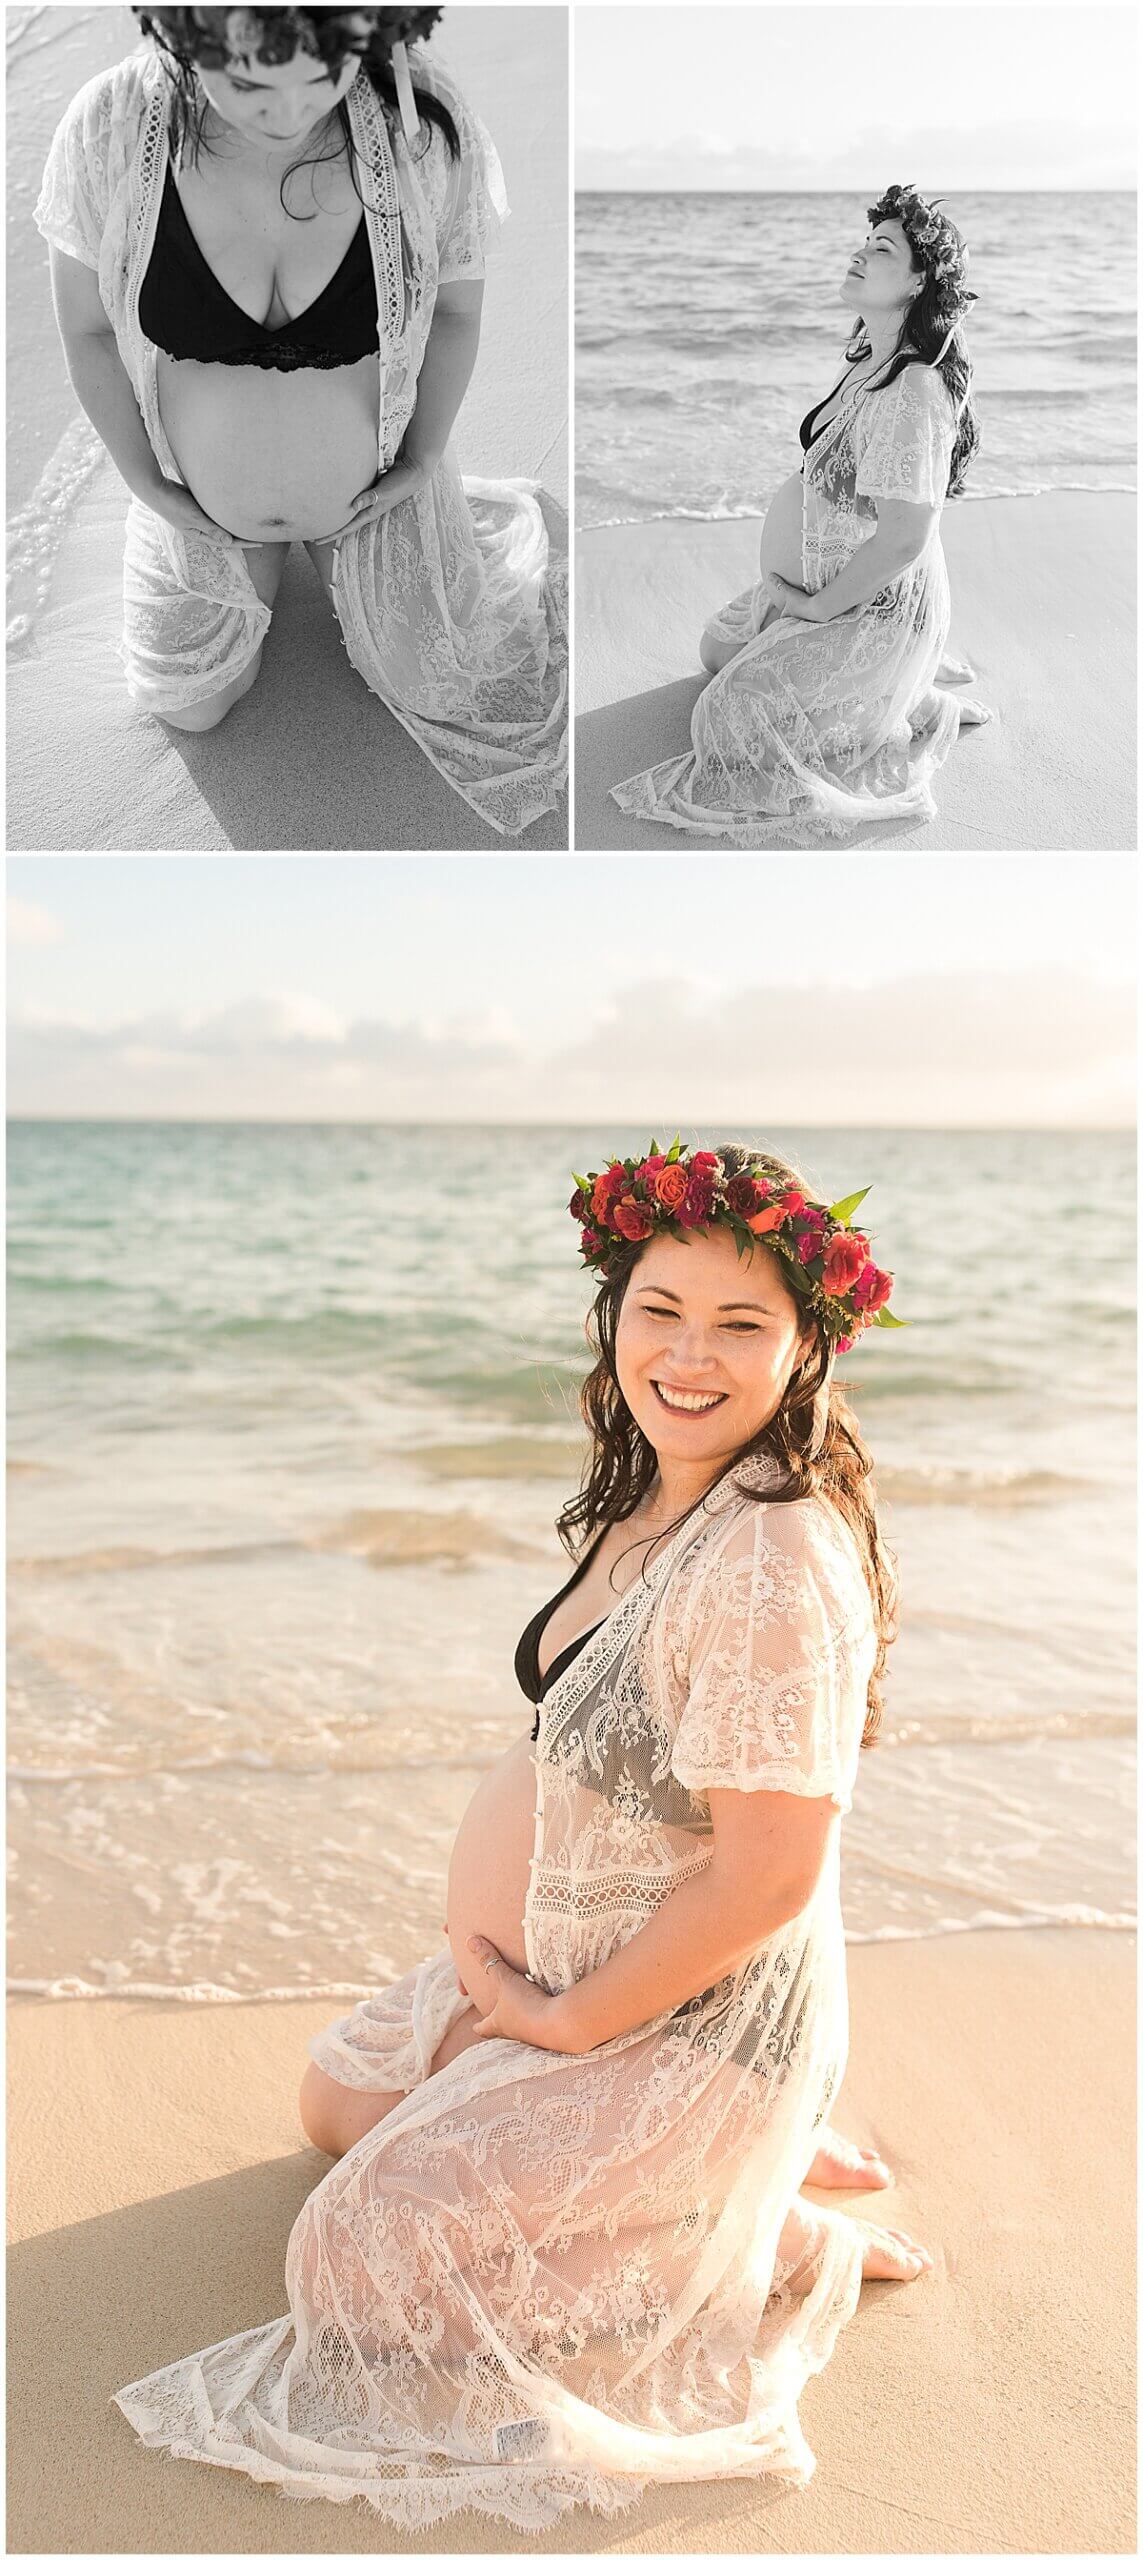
[
  {"x": 808, "y": 1244},
  {"x": 872, "y": 1289},
  {"x": 590, "y": 1240},
  {"x": 650, "y": 1166},
  {"x": 845, "y": 1342}
]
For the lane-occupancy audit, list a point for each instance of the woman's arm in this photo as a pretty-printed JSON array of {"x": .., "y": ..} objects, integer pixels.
[
  {"x": 96, "y": 371},
  {"x": 446, "y": 372},
  {"x": 903, "y": 529},
  {"x": 103, "y": 387},
  {"x": 769, "y": 1850}
]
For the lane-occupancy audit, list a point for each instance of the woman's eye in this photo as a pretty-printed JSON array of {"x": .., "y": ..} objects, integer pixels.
[{"x": 743, "y": 1328}]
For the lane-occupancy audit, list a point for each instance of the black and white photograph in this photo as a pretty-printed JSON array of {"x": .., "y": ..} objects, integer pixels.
[
  {"x": 855, "y": 427},
  {"x": 287, "y": 427}
]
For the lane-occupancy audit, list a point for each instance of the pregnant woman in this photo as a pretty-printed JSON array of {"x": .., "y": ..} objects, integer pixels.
[
  {"x": 267, "y": 233},
  {"x": 825, "y": 711},
  {"x": 563, "y": 2251}
]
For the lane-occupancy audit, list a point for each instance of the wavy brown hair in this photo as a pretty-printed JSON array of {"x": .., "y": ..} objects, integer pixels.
[{"x": 814, "y": 1436}]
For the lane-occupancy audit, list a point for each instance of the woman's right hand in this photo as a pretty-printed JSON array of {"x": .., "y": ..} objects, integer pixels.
[{"x": 170, "y": 499}]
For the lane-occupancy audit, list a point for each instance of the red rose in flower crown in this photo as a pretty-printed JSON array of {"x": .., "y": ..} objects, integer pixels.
[{"x": 824, "y": 1257}]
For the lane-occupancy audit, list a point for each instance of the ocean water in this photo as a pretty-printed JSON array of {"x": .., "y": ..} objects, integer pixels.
[
  {"x": 707, "y": 325},
  {"x": 291, "y": 1412}
]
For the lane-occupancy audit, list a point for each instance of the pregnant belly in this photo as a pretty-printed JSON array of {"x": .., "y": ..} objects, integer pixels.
[
  {"x": 780, "y": 547},
  {"x": 488, "y": 1869},
  {"x": 272, "y": 456}
]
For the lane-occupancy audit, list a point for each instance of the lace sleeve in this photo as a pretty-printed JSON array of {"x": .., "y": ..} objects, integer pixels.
[
  {"x": 71, "y": 208},
  {"x": 468, "y": 195},
  {"x": 908, "y": 439},
  {"x": 780, "y": 1660}
]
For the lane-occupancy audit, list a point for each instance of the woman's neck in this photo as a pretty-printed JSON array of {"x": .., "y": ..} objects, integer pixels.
[
  {"x": 884, "y": 340},
  {"x": 271, "y": 159},
  {"x": 676, "y": 1488}
]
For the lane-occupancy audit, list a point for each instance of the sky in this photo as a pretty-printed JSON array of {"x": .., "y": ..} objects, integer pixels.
[
  {"x": 823, "y": 991},
  {"x": 817, "y": 96}
]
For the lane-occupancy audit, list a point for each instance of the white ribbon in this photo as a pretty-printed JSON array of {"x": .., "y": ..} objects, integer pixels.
[{"x": 410, "y": 120}]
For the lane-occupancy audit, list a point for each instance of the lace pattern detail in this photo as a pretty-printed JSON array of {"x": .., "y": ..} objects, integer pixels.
[
  {"x": 812, "y": 730},
  {"x": 454, "y": 607},
  {"x": 544, "y": 2281}
]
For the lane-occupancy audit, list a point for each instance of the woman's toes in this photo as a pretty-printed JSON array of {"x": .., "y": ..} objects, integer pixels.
[
  {"x": 893, "y": 2254},
  {"x": 837, "y": 2163},
  {"x": 973, "y": 714}
]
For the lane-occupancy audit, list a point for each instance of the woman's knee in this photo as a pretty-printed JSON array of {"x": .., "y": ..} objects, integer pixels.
[
  {"x": 334, "y": 2117},
  {"x": 212, "y": 710},
  {"x": 716, "y": 651}
]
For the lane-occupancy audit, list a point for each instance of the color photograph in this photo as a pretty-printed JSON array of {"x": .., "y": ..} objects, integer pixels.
[
  {"x": 287, "y": 428},
  {"x": 856, "y": 427},
  {"x": 571, "y": 1874}
]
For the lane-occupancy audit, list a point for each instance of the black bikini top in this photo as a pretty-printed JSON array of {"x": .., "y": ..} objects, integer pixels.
[
  {"x": 534, "y": 1682},
  {"x": 670, "y": 1801},
  {"x": 185, "y": 310},
  {"x": 806, "y": 430}
]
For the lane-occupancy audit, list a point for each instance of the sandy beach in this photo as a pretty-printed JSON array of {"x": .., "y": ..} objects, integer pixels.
[
  {"x": 309, "y": 759},
  {"x": 1043, "y": 593},
  {"x": 157, "y": 2164}
]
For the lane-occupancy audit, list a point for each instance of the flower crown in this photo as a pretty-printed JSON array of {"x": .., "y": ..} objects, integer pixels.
[
  {"x": 935, "y": 239},
  {"x": 825, "y": 1258},
  {"x": 215, "y": 37}
]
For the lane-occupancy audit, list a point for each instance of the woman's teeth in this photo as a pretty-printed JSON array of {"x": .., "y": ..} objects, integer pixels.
[{"x": 678, "y": 1402}]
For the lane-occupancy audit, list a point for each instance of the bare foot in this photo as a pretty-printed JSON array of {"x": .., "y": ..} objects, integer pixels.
[
  {"x": 838, "y": 2163},
  {"x": 973, "y": 714},
  {"x": 888, "y": 2255}
]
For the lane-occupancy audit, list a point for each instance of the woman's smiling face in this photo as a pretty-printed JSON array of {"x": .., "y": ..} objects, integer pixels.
[
  {"x": 705, "y": 1345},
  {"x": 277, "y": 103},
  {"x": 881, "y": 280}
]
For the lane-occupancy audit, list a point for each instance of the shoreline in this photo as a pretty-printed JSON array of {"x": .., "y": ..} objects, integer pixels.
[
  {"x": 1043, "y": 598},
  {"x": 73, "y": 1990},
  {"x": 969, "y": 497},
  {"x": 987, "y": 2407}
]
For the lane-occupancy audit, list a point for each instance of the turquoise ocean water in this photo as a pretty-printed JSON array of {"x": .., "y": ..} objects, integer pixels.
[
  {"x": 706, "y": 326},
  {"x": 291, "y": 1414}
]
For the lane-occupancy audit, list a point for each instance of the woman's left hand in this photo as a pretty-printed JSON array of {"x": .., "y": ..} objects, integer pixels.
[
  {"x": 402, "y": 480},
  {"x": 796, "y": 600},
  {"x": 520, "y": 2009}
]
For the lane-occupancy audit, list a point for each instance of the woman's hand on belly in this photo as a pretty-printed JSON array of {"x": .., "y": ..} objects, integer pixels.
[
  {"x": 512, "y": 2006},
  {"x": 383, "y": 494},
  {"x": 168, "y": 498}
]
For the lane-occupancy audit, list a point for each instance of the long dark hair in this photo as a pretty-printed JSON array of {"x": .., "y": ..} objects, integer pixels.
[
  {"x": 185, "y": 37},
  {"x": 814, "y": 1437},
  {"x": 943, "y": 299}
]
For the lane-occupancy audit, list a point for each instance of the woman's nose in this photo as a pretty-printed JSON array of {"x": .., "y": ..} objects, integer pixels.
[{"x": 692, "y": 1350}]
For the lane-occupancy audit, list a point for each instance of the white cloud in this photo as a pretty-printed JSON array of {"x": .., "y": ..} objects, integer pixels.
[
  {"x": 976, "y": 1050},
  {"x": 31, "y": 926}
]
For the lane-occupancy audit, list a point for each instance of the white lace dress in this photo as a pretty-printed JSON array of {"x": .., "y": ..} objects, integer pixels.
[
  {"x": 450, "y": 606},
  {"x": 542, "y": 2279},
  {"x": 814, "y": 729}
]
